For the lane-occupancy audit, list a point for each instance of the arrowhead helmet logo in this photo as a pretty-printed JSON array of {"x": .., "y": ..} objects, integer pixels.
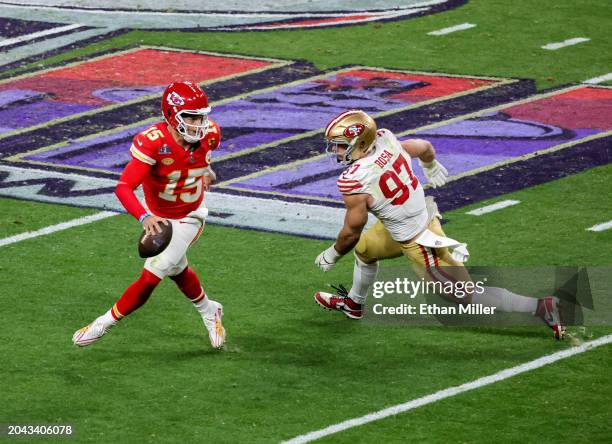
[
  {"x": 174, "y": 99},
  {"x": 354, "y": 130}
]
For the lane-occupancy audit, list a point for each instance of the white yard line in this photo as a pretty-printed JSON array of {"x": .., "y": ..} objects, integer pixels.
[
  {"x": 58, "y": 227},
  {"x": 493, "y": 207},
  {"x": 35, "y": 35},
  {"x": 451, "y": 391},
  {"x": 455, "y": 28},
  {"x": 601, "y": 227},
  {"x": 600, "y": 79},
  {"x": 563, "y": 44}
]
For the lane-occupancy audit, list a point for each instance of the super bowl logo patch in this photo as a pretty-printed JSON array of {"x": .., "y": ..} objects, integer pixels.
[
  {"x": 354, "y": 130},
  {"x": 175, "y": 99},
  {"x": 165, "y": 150},
  {"x": 167, "y": 161}
]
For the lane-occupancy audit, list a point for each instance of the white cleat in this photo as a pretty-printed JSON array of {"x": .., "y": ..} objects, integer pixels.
[
  {"x": 89, "y": 334},
  {"x": 212, "y": 321}
]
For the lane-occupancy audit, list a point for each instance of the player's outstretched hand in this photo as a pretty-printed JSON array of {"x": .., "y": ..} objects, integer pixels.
[
  {"x": 151, "y": 224},
  {"x": 435, "y": 173},
  {"x": 327, "y": 259}
]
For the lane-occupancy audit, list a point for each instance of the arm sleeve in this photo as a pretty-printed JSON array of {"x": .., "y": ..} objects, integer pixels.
[{"x": 132, "y": 176}]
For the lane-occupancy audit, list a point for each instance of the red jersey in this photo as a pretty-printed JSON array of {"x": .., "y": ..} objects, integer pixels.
[{"x": 174, "y": 185}]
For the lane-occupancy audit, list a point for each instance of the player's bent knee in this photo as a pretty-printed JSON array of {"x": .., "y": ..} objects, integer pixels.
[
  {"x": 178, "y": 268},
  {"x": 361, "y": 252},
  {"x": 161, "y": 266}
]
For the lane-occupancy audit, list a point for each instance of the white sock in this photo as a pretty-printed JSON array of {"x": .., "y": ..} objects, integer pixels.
[
  {"x": 505, "y": 300},
  {"x": 364, "y": 276},
  {"x": 203, "y": 305},
  {"x": 107, "y": 319}
]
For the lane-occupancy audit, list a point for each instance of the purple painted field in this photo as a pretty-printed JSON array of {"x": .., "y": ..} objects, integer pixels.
[
  {"x": 468, "y": 144},
  {"x": 286, "y": 111}
]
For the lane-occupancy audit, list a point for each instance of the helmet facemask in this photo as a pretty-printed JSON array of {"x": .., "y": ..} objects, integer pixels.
[
  {"x": 332, "y": 146},
  {"x": 199, "y": 131}
]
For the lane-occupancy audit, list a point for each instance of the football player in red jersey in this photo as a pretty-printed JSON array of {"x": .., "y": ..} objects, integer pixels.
[{"x": 171, "y": 160}]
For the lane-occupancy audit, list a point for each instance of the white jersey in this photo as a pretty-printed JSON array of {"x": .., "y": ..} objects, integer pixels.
[{"x": 386, "y": 175}]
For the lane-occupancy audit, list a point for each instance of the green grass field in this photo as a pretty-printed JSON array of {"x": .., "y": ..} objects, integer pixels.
[{"x": 289, "y": 367}]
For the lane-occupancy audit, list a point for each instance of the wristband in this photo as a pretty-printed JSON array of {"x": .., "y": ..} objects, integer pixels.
[
  {"x": 427, "y": 164},
  {"x": 335, "y": 255},
  {"x": 143, "y": 217}
]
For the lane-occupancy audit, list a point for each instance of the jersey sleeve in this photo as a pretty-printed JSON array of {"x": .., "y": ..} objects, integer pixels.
[
  {"x": 351, "y": 181},
  {"x": 132, "y": 176},
  {"x": 143, "y": 148},
  {"x": 389, "y": 139}
]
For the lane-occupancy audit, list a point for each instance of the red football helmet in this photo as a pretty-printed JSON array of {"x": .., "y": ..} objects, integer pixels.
[{"x": 186, "y": 98}]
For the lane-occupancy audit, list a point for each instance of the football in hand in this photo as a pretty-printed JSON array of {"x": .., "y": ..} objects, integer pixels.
[{"x": 152, "y": 245}]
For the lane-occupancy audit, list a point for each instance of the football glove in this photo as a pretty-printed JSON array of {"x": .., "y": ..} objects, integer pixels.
[
  {"x": 435, "y": 173},
  {"x": 327, "y": 259}
]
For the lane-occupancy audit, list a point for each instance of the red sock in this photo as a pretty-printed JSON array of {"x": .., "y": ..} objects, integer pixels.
[
  {"x": 189, "y": 284},
  {"x": 136, "y": 294}
]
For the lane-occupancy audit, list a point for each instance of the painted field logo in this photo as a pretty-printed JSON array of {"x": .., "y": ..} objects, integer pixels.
[
  {"x": 231, "y": 16},
  {"x": 493, "y": 135},
  {"x": 354, "y": 130}
]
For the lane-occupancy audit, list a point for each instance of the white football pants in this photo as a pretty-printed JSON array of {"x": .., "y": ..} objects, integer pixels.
[{"x": 185, "y": 232}]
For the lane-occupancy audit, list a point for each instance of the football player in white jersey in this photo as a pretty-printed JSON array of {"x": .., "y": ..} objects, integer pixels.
[{"x": 379, "y": 179}]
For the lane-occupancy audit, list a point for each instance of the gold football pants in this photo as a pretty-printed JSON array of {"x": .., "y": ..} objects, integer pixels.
[{"x": 428, "y": 263}]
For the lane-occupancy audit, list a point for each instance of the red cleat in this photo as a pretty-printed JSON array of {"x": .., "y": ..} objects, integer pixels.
[
  {"x": 549, "y": 310},
  {"x": 343, "y": 304}
]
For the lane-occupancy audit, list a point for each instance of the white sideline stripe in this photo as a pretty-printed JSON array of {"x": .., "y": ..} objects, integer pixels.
[
  {"x": 452, "y": 391},
  {"x": 494, "y": 207},
  {"x": 58, "y": 227},
  {"x": 600, "y": 79},
  {"x": 563, "y": 44},
  {"x": 35, "y": 35},
  {"x": 601, "y": 227},
  {"x": 455, "y": 28}
]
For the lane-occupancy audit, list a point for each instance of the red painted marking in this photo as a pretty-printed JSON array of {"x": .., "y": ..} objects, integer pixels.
[
  {"x": 588, "y": 93},
  {"x": 581, "y": 108},
  {"x": 438, "y": 86},
  {"x": 140, "y": 68},
  {"x": 348, "y": 18},
  {"x": 150, "y": 67}
]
